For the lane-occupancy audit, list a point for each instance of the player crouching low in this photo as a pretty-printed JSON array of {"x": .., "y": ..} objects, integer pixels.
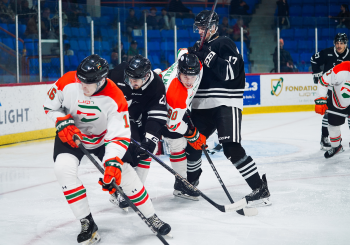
[
  {"x": 336, "y": 105},
  {"x": 181, "y": 81},
  {"x": 87, "y": 104}
]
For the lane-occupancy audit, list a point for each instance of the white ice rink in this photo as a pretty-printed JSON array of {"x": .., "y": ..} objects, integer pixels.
[{"x": 310, "y": 195}]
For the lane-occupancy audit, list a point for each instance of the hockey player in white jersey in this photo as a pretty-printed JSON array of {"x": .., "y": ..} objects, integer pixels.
[
  {"x": 181, "y": 81},
  {"x": 337, "y": 105},
  {"x": 86, "y": 103}
]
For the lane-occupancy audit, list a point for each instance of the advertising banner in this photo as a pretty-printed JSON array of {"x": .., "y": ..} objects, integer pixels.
[
  {"x": 21, "y": 109},
  {"x": 251, "y": 94},
  {"x": 287, "y": 89}
]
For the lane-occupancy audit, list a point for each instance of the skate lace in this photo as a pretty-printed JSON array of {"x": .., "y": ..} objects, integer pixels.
[
  {"x": 254, "y": 192},
  {"x": 331, "y": 151},
  {"x": 84, "y": 225},
  {"x": 120, "y": 198},
  {"x": 156, "y": 222}
]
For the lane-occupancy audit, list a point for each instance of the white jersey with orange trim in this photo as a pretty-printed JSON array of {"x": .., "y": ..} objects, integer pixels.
[
  {"x": 338, "y": 80},
  {"x": 178, "y": 97},
  {"x": 102, "y": 118}
]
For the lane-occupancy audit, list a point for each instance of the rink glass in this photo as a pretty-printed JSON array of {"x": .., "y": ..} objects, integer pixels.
[{"x": 110, "y": 36}]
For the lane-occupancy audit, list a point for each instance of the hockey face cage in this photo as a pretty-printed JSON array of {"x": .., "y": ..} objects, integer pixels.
[
  {"x": 197, "y": 26},
  {"x": 128, "y": 76}
]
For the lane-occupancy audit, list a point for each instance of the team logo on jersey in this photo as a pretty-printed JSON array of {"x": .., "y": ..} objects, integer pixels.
[
  {"x": 276, "y": 86},
  {"x": 88, "y": 113},
  {"x": 345, "y": 90}
]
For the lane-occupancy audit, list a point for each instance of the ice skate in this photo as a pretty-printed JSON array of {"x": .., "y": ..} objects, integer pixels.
[
  {"x": 217, "y": 148},
  {"x": 181, "y": 190},
  {"x": 325, "y": 144},
  {"x": 162, "y": 227},
  {"x": 333, "y": 151},
  {"x": 260, "y": 196},
  {"x": 195, "y": 183},
  {"x": 118, "y": 200},
  {"x": 88, "y": 234}
]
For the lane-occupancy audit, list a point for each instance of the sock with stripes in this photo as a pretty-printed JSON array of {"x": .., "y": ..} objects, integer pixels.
[
  {"x": 178, "y": 162},
  {"x": 334, "y": 135},
  {"x": 194, "y": 170},
  {"x": 66, "y": 168},
  {"x": 142, "y": 169},
  {"x": 135, "y": 190},
  {"x": 247, "y": 168},
  {"x": 325, "y": 125}
]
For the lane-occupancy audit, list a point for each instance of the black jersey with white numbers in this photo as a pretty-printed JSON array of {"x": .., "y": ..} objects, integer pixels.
[
  {"x": 328, "y": 58},
  {"x": 223, "y": 81},
  {"x": 146, "y": 105}
]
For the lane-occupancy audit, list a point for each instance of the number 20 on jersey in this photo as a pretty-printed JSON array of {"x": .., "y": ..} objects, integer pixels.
[{"x": 172, "y": 114}]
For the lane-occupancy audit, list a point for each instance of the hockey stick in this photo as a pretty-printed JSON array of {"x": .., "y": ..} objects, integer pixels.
[
  {"x": 338, "y": 114},
  {"x": 223, "y": 208},
  {"x": 244, "y": 211},
  {"x": 131, "y": 204},
  {"x": 207, "y": 27}
]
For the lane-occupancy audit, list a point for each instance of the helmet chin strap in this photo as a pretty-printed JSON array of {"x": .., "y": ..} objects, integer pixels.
[
  {"x": 100, "y": 84},
  {"x": 212, "y": 32}
]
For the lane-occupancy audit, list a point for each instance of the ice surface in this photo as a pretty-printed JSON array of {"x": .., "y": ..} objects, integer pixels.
[{"x": 310, "y": 194}]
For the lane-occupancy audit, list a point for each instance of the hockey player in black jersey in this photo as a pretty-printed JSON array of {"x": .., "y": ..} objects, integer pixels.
[
  {"x": 218, "y": 105},
  {"x": 145, "y": 93},
  {"x": 322, "y": 62}
]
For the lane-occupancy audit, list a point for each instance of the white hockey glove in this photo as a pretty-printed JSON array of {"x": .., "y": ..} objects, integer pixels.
[{"x": 316, "y": 77}]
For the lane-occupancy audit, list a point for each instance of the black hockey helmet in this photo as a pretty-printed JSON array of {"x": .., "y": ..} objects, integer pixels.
[
  {"x": 92, "y": 69},
  {"x": 202, "y": 18},
  {"x": 341, "y": 37},
  {"x": 138, "y": 67},
  {"x": 188, "y": 64}
]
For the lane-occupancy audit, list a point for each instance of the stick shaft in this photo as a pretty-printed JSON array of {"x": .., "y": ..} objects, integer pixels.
[
  {"x": 184, "y": 181},
  {"x": 207, "y": 26},
  {"x": 217, "y": 175}
]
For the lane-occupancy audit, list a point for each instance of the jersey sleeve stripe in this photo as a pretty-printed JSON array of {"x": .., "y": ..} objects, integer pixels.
[{"x": 157, "y": 112}]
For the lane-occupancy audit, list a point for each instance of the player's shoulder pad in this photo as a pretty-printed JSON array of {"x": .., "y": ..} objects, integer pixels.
[
  {"x": 67, "y": 78},
  {"x": 227, "y": 46},
  {"x": 344, "y": 66},
  {"x": 157, "y": 85},
  {"x": 111, "y": 90},
  {"x": 177, "y": 95},
  {"x": 181, "y": 52},
  {"x": 224, "y": 40}
]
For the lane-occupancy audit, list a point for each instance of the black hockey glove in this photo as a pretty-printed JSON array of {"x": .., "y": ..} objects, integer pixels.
[
  {"x": 204, "y": 55},
  {"x": 106, "y": 187},
  {"x": 316, "y": 77},
  {"x": 149, "y": 143}
]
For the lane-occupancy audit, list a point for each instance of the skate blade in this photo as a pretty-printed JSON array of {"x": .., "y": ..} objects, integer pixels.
[
  {"x": 323, "y": 148},
  {"x": 260, "y": 203},
  {"x": 184, "y": 196},
  {"x": 95, "y": 238}
]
